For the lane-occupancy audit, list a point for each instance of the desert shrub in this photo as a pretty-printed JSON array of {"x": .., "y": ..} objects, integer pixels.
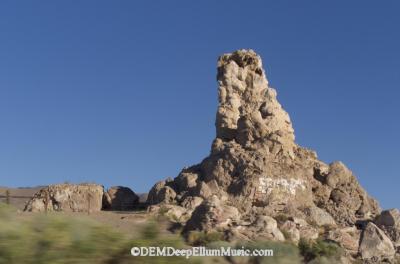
[
  {"x": 6, "y": 211},
  {"x": 281, "y": 218},
  {"x": 163, "y": 210},
  {"x": 319, "y": 250},
  {"x": 198, "y": 238},
  {"x": 325, "y": 229},
  {"x": 55, "y": 239},
  {"x": 151, "y": 236},
  {"x": 286, "y": 234},
  {"x": 58, "y": 239},
  {"x": 284, "y": 253}
]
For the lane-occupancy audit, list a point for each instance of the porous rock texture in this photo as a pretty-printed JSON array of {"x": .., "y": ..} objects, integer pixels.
[
  {"x": 255, "y": 170},
  {"x": 68, "y": 198}
]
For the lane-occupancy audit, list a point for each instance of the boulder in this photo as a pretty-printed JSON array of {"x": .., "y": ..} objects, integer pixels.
[
  {"x": 266, "y": 227},
  {"x": 389, "y": 222},
  {"x": 203, "y": 190},
  {"x": 375, "y": 246},
  {"x": 338, "y": 174},
  {"x": 347, "y": 238},
  {"x": 291, "y": 232},
  {"x": 120, "y": 198},
  {"x": 191, "y": 202},
  {"x": 186, "y": 181},
  {"x": 68, "y": 198},
  {"x": 161, "y": 192},
  {"x": 319, "y": 216},
  {"x": 212, "y": 215}
]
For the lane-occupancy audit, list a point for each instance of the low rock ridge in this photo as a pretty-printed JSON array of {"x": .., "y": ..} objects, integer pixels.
[{"x": 85, "y": 197}]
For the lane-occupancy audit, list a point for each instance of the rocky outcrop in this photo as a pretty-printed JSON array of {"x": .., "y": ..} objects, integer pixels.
[
  {"x": 256, "y": 170},
  {"x": 120, "y": 198},
  {"x": 67, "y": 197},
  {"x": 255, "y": 162},
  {"x": 340, "y": 194}
]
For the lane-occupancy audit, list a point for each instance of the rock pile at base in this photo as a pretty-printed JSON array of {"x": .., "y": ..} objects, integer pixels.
[
  {"x": 256, "y": 175},
  {"x": 67, "y": 198}
]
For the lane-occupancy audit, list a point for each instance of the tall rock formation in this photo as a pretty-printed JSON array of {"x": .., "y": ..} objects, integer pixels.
[
  {"x": 254, "y": 161},
  {"x": 256, "y": 169}
]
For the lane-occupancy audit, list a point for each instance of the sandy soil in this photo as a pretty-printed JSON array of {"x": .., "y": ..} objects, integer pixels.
[{"x": 18, "y": 196}]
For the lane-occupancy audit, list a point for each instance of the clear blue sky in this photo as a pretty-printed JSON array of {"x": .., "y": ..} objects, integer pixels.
[{"x": 124, "y": 92}]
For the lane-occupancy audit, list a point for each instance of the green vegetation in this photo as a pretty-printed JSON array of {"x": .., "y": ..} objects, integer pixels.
[
  {"x": 281, "y": 218},
  {"x": 286, "y": 234},
  {"x": 196, "y": 238},
  {"x": 319, "y": 251},
  {"x": 59, "y": 239},
  {"x": 284, "y": 253},
  {"x": 56, "y": 238}
]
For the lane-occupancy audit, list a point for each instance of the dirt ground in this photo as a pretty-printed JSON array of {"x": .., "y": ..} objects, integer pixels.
[
  {"x": 122, "y": 221},
  {"x": 18, "y": 196}
]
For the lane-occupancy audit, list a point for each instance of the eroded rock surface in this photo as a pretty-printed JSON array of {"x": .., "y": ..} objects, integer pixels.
[
  {"x": 255, "y": 162},
  {"x": 255, "y": 170},
  {"x": 67, "y": 197}
]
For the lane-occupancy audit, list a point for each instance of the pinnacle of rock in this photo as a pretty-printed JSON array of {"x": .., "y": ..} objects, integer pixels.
[
  {"x": 248, "y": 111},
  {"x": 257, "y": 181}
]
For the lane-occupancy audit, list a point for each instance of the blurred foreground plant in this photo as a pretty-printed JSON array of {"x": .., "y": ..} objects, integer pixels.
[
  {"x": 59, "y": 239},
  {"x": 56, "y": 238}
]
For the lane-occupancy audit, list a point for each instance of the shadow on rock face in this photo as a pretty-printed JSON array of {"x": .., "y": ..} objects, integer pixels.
[{"x": 119, "y": 198}]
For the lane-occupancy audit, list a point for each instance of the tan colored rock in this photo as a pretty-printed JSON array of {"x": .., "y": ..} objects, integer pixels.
[
  {"x": 203, "y": 190},
  {"x": 267, "y": 227},
  {"x": 68, "y": 198},
  {"x": 185, "y": 181},
  {"x": 319, "y": 216},
  {"x": 389, "y": 222},
  {"x": 120, "y": 198},
  {"x": 346, "y": 201},
  {"x": 338, "y": 175},
  {"x": 161, "y": 192},
  {"x": 248, "y": 109},
  {"x": 375, "y": 246},
  {"x": 309, "y": 232},
  {"x": 347, "y": 239},
  {"x": 256, "y": 167},
  {"x": 212, "y": 215},
  {"x": 173, "y": 213},
  {"x": 290, "y": 228},
  {"x": 191, "y": 202}
]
